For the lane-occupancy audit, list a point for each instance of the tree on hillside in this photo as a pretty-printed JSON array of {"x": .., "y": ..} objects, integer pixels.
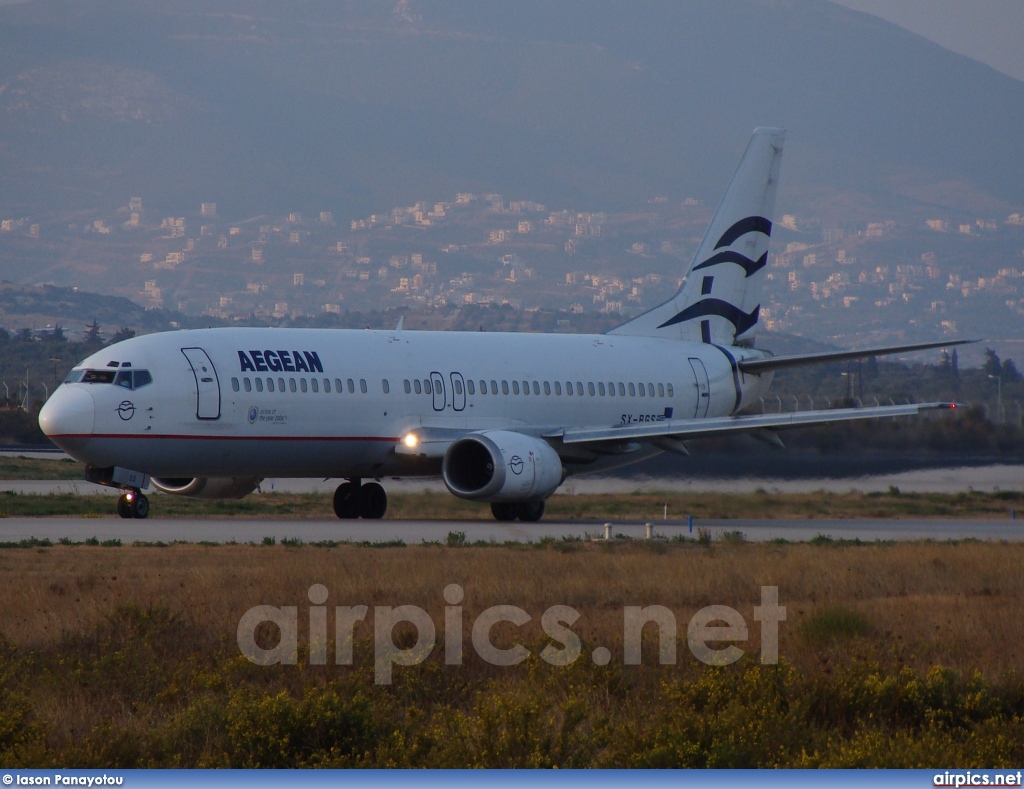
[
  {"x": 992, "y": 365},
  {"x": 1009, "y": 372},
  {"x": 93, "y": 336},
  {"x": 124, "y": 333}
]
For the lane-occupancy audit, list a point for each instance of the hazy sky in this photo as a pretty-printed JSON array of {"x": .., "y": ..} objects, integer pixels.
[{"x": 991, "y": 31}]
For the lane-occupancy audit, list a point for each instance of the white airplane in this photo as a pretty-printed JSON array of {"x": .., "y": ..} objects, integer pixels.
[{"x": 501, "y": 418}]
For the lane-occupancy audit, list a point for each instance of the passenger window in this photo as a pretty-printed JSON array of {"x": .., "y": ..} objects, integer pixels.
[
  {"x": 291, "y": 385},
  {"x": 622, "y": 390},
  {"x": 419, "y": 389},
  {"x": 504, "y": 387},
  {"x": 515, "y": 387},
  {"x": 327, "y": 385},
  {"x": 234, "y": 384},
  {"x": 458, "y": 386},
  {"x": 568, "y": 388},
  {"x": 314, "y": 385},
  {"x": 536, "y": 388},
  {"x": 632, "y": 390},
  {"x": 470, "y": 386},
  {"x": 579, "y": 388},
  {"x": 483, "y": 387},
  {"x": 494, "y": 387},
  {"x": 351, "y": 386},
  {"x": 385, "y": 385},
  {"x": 407, "y": 386},
  {"x": 600, "y": 388},
  {"x": 590, "y": 388},
  {"x": 427, "y": 386},
  {"x": 270, "y": 384},
  {"x": 362, "y": 385},
  {"x": 661, "y": 390},
  {"x": 641, "y": 390},
  {"x": 247, "y": 384},
  {"x": 611, "y": 389},
  {"x": 337, "y": 386},
  {"x": 650, "y": 390},
  {"x": 302, "y": 384},
  {"x": 259, "y": 384},
  {"x": 670, "y": 391},
  {"x": 547, "y": 388},
  {"x": 558, "y": 388},
  {"x": 142, "y": 378}
]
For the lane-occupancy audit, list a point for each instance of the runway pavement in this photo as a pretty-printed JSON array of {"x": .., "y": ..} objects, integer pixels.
[{"x": 416, "y": 532}]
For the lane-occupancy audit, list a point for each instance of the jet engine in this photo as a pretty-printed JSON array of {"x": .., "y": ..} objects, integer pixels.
[
  {"x": 501, "y": 466},
  {"x": 207, "y": 487}
]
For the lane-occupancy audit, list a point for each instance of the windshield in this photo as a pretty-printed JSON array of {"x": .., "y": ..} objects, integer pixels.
[{"x": 128, "y": 379}]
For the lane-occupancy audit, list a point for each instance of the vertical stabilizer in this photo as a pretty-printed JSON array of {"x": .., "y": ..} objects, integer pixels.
[{"x": 719, "y": 300}]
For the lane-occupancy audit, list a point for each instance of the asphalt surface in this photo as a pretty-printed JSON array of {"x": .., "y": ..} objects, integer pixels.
[{"x": 416, "y": 532}]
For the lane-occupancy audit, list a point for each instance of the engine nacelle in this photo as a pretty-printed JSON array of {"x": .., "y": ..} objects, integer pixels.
[
  {"x": 499, "y": 465},
  {"x": 207, "y": 487}
]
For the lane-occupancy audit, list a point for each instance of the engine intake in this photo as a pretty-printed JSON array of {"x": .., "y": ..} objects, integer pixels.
[
  {"x": 499, "y": 465},
  {"x": 207, "y": 487}
]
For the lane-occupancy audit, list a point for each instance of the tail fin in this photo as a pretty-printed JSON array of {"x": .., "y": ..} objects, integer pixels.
[{"x": 719, "y": 300}]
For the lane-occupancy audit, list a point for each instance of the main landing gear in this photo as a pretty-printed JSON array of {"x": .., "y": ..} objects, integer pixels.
[
  {"x": 133, "y": 504},
  {"x": 353, "y": 499},
  {"x": 529, "y": 511}
]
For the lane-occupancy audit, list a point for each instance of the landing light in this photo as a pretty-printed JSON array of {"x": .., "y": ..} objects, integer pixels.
[
  {"x": 129, "y": 496},
  {"x": 411, "y": 440}
]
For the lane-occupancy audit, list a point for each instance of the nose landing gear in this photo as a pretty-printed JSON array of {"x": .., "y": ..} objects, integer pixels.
[
  {"x": 353, "y": 499},
  {"x": 133, "y": 504}
]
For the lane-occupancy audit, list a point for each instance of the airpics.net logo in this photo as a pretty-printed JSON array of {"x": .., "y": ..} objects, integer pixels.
[{"x": 711, "y": 625}]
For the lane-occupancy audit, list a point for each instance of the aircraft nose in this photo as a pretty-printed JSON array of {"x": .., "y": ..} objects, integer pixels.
[{"x": 69, "y": 412}]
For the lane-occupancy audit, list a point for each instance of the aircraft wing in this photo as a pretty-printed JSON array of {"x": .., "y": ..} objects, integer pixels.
[
  {"x": 756, "y": 366},
  {"x": 724, "y": 425}
]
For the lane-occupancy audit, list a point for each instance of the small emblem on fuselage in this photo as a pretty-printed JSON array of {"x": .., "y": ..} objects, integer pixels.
[
  {"x": 254, "y": 413},
  {"x": 126, "y": 410},
  {"x": 516, "y": 464}
]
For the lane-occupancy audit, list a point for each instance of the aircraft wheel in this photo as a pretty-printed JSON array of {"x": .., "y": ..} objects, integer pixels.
[
  {"x": 373, "y": 501},
  {"x": 124, "y": 507},
  {"x": 503, "y": 511},
  {"x": 530, "y": 511},
  {"x": 345, "y": 505},
  {"x": 140, "y": 506}
]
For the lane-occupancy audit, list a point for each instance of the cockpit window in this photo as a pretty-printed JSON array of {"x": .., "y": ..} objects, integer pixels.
[
  {"x": 129, "y": 379},
  {"x": 99, "y": 376}
]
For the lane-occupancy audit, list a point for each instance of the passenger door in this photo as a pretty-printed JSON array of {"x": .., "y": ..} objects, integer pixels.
[
  {"x": 207, "y": 383},
  {"x": 700, "y": 374}
]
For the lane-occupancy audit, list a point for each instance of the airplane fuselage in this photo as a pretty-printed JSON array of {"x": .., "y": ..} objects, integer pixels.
[{"x": 336, "y": 403}]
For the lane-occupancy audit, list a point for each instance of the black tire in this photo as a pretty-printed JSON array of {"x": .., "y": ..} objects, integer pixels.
[
  {"x": 124, "y": 508},
  {"x": 373, "y": 501},
  {"x": 530, "y": 511},
  {"x": 503, "y": 511},
  {"x": 345, "y": 505},
  {"x": 140, "y": 506}
]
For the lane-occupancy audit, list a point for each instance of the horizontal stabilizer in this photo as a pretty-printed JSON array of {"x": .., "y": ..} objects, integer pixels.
[
  {"x": 725, "y": 425},
  {"x": 755, "y": 366}
]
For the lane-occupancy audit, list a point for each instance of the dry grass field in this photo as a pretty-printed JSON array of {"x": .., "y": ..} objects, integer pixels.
[{"x": 891, "y": 655}]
